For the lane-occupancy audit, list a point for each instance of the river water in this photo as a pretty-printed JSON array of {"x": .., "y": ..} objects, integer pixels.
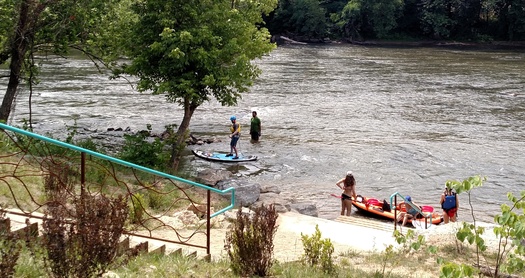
[{"x": 402, "y": 119}]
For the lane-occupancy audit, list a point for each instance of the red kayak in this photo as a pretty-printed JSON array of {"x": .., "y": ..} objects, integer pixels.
[{"x": 383, "y": 209}]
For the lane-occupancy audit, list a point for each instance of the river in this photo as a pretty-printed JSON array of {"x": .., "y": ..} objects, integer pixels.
[{"x": 401, "y": 119}]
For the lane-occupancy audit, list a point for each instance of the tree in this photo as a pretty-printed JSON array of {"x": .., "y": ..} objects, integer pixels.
[
  {"x": 195, "y": 50},
  {"x": 374, "y": 19},
  {"x": 308, "y": 19},
  {"x": 52, "y": 26},
  {"x": 435, "y": 18}
]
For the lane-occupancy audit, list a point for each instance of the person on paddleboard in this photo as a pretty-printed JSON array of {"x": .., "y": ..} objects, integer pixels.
[
  {"x": 347, "y": 184},
  {"x": 235, "y": 130}
]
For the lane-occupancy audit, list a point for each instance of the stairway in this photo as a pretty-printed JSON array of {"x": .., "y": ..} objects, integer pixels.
[
  {"x": 22, "y": 227},
  {"x": 376, "y": 224}
]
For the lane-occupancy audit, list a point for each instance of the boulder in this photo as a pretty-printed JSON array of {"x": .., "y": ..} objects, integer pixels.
[
  {"x": 246, "y": 193},
  {"x": 212, "y": 176},
  {"x": 281, "y": 205},
  {"x": 270, "y": 188},
  {"x": 306, "y": 209}
]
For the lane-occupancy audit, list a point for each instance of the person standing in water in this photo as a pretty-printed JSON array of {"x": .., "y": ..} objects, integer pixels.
[
  {"x": 235, "y": 130},
  {"x": 255, "y": 127},
  {"x": 347, "y": 184}
]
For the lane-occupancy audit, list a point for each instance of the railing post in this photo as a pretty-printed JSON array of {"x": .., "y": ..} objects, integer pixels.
[
  {"x": 395, "y": 215},
  {"x": 82, "y": 172},
  {"x": 208, "y": 222}
]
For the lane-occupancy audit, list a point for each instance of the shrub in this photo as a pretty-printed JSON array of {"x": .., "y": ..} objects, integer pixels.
[
  {"x": 249, "y": 242},
  {"x": 10, "y": 249},
  {"x": 85, "y": 245},
  {"x": 138, "y": 150},
  {"x": 318, "y": 251},
  {"x": 136, "y": 208}
]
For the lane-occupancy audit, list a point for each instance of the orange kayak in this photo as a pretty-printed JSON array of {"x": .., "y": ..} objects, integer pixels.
[{"x": 377, "y": 208}]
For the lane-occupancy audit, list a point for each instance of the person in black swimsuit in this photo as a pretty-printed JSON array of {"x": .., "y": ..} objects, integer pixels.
[{"x": 347, "y": 184}]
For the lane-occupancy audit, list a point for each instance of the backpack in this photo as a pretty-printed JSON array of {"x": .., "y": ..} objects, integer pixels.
[
  {"x": 386, "y": 206},
  {"x": 450, "y": 201}
]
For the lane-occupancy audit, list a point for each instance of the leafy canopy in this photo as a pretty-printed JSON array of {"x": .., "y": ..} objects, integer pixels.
[{"x": 191, "y": 50}]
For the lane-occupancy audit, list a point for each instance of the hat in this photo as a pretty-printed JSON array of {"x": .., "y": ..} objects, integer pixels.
[
  {"x": 408, "y": 198},
  {"x": 349, "y": 173}
]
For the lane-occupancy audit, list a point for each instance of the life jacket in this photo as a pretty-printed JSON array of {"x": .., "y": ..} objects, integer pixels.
[
  {"x": 235, "y": 127},
  {"x": 449, "y": 202}
]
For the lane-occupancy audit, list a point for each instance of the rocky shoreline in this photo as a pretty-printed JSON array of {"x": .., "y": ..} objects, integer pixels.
[
  {"x": 491, "y": 45},
  {"x": 251, "y": 195}
]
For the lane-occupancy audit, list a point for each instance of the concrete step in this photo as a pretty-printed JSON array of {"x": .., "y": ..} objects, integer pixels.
[{"x": 368, "y": 223}]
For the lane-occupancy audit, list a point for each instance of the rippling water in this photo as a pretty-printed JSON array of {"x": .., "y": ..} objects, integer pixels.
[{"x": 402, "y": 119}]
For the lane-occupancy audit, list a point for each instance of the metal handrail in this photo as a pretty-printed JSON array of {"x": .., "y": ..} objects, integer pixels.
[
  {"x": 393, "y": 204},
  {"x": 128, "y": 164}
]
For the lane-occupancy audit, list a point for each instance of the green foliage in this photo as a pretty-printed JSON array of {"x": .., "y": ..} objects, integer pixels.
[
  {"x": 55, "y": 27},
  {"x": 138, "y": 150},
  {"x": 136, "y": 208},
  {"x": 453, "y": 270},
  {"x": 160, "y": 200},
  {"x": 371, "y": 19},
  {"x": 389, "y": 260},
  {"x": 318, "y": 251},
  {"x": 249, "y": 242},
  {"x": 307, "y": 18},
  {"x": 196, "y": 50},
  {"x": 472, "y": 234},
  {"x": 510, "y": 232},
  {"x": 409, "y": 241}
]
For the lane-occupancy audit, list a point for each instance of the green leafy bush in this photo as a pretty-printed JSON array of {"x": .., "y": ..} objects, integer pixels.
[
  {"x": 138, "y": 150},
  {"x": 318, "y": 251},
  {"x": 136, "y": 208},
  {"x": 249, "y": 242}
]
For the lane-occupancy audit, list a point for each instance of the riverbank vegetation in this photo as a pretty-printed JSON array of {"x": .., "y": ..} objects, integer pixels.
[{"x": 359, "y": 20}]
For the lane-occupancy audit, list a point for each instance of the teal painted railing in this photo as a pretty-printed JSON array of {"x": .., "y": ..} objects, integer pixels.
[
  {"x": 393, "y": 204},
  {"x": 230, "y": 190}
]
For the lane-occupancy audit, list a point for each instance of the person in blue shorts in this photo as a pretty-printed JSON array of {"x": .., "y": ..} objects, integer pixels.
[
  {"x": 410, "y": 210},
  {"x": 235, "y": 130}
]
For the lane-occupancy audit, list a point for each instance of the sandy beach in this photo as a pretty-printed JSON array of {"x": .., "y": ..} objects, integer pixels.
[{"x": 346, "y": 234}]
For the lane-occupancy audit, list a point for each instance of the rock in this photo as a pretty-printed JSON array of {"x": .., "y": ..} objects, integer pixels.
[
  {"x": 188, "y": 218},
  {"x": 231, "y": 215},
  {"x": 199, "y": 210},
  {"x": 212, "y": 176},
  {"x": 281, "y": 205},
  {"x": 246, "y": 193},
  {"x": 270, "y": 188},
  {"x": 306, "y": 209}
]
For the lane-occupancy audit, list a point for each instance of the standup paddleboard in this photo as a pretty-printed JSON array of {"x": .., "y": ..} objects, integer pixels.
[{"x": 221, "y": 157}]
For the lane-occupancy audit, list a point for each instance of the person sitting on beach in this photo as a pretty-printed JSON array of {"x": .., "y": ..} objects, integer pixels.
[
  {"x": 410, "y": 210},
  {"x": 347, "y": 184},
  {"x": 450, "y": 204}
]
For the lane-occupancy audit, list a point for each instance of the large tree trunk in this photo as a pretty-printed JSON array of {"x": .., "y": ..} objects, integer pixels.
[
  {"x": 179, "y": 144},
  {"x": 19, "y": 45}
]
